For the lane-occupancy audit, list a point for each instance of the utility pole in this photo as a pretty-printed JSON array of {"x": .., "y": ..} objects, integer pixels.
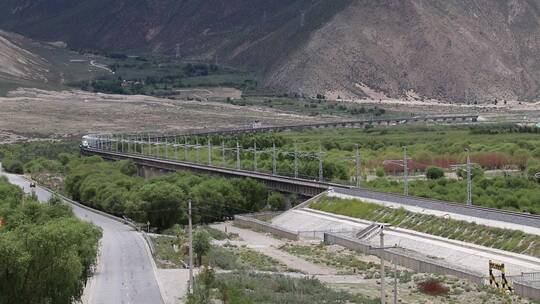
[
  {"x": 469, "y": 179},
  {"x": 321, "y": 177},
  {"x": 357, "y": 163},
  {"x": 237, "y": 155},
  {"x": 295, "y": 161},
  {"x": 209, "y": 151},
  {"x": 381, "y": 244},
  {"x": 190, "y": 231},
  {"x": 381, "y": 249},
  {"x": 395, "y": 282},
  {"x": 274, "y": 158},
  {"x": 405, "y": 173},
  {"x": 255, "y": 156}
]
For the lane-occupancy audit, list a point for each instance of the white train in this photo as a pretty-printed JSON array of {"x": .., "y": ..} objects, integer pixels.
[{"x": 89, "y": 141}]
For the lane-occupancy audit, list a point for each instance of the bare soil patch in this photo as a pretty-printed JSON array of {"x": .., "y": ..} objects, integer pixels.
[{"x": 34, "y": 113}]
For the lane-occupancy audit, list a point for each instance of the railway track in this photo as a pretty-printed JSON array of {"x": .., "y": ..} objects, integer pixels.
[{"x": 508, "y": 216}]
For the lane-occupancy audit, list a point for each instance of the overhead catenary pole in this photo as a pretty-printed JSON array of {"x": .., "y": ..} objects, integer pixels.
[
  {"x": 223, "y": 153},
  {"x": 197, "y": 155},
  {"x": 175, "y": 148},
  {"x": 190, "y": 231},
  {"x": 166, "y": 147},
  {"x": 209, "y": 151},
  {"x": 237, "y": 155},
  {"x": 185, "y": 148},
  {"x": 321, "y": 173},
  {"x": 255, "y": 156},
  {"x": 295, "y": 161},
  {"x": 357, "y": 165},
  {"x": 149, "y": 145},
  {"x": 274, "y": 158},
  {"x": 405, "y": 173},
  {"x": 469, "y": 179}
]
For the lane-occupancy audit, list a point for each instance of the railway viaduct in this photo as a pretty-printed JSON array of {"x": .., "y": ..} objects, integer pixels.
[{"x": 149, "y": 166}]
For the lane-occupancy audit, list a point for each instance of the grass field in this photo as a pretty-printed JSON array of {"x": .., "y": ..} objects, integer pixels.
[
  {"x": 241, "y": 287},
  {"x": 162, "y": 76}
]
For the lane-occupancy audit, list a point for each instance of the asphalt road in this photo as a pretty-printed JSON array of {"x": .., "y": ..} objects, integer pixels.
[{"x": 125, "y": 272}]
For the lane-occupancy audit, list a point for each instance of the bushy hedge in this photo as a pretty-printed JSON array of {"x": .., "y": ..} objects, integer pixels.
[{"x": 162, "y": 201}]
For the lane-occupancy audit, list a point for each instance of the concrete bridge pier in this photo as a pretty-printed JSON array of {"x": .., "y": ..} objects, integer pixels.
[{"x": 147, "y": 172}]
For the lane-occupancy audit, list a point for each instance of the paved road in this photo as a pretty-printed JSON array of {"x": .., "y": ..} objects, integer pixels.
[{"x": 125, "y": 272}]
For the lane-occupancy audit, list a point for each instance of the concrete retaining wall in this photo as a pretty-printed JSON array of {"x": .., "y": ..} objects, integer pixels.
[
  {"x": 252, "y": 223},
  {"x": 526, "y": 291},
  {"x": 264, "y": 216},
  {"x": 415, "y": 263}
]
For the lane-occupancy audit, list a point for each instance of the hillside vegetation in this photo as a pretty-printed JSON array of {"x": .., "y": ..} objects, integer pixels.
[{"x": 459, "y": 51}]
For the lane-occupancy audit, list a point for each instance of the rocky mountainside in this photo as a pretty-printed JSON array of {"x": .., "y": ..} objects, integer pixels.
[
  {"x": 454, "y": 50},
  {"x": 18, "y": 64}
]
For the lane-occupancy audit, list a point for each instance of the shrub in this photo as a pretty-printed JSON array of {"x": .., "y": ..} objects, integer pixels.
[
  {"x": 13, "y": 166},
  {"x": 432, "y": 287},
  {"x": 277, "y": 202},
  {"x": 434, "y": 173}
]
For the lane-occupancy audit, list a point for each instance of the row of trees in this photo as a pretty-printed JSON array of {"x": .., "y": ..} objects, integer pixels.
[
  {"x": 46, "y": 254},
  {"x": 162, "y": 201},
  {"x": 512, "y": 193}
]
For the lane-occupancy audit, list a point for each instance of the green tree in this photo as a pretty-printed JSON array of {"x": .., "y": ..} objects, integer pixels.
[
  {"x": 215, "y": 200},
  {"x": 434, "y": 173},
  {"x": 201, "y": 244},
  {"x": 277, "y": 201},
  {"x": 254, "y": 193},
  {"x": 163, "y": 204},
  {"x": 13, "y": 166}
]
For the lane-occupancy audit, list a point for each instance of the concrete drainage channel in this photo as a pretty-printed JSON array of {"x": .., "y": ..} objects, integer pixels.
[{"x": 343, "y": 235}]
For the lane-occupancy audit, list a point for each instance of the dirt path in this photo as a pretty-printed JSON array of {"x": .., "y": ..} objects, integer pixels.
[{"x": 269, "y": 246}]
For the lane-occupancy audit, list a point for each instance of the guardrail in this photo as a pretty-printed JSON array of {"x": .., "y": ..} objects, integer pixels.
[{"x": 249, "y": 222}]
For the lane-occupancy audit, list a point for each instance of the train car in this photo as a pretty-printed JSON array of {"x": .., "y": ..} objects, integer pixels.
[{"x": 88, "y": 141}]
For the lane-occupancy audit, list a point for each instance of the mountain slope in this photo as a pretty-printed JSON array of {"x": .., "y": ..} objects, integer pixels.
[
  {"x": 455, "y": 50},
  {"x": 28, "y": 63},
  {"x": 18, "y": 65}
]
